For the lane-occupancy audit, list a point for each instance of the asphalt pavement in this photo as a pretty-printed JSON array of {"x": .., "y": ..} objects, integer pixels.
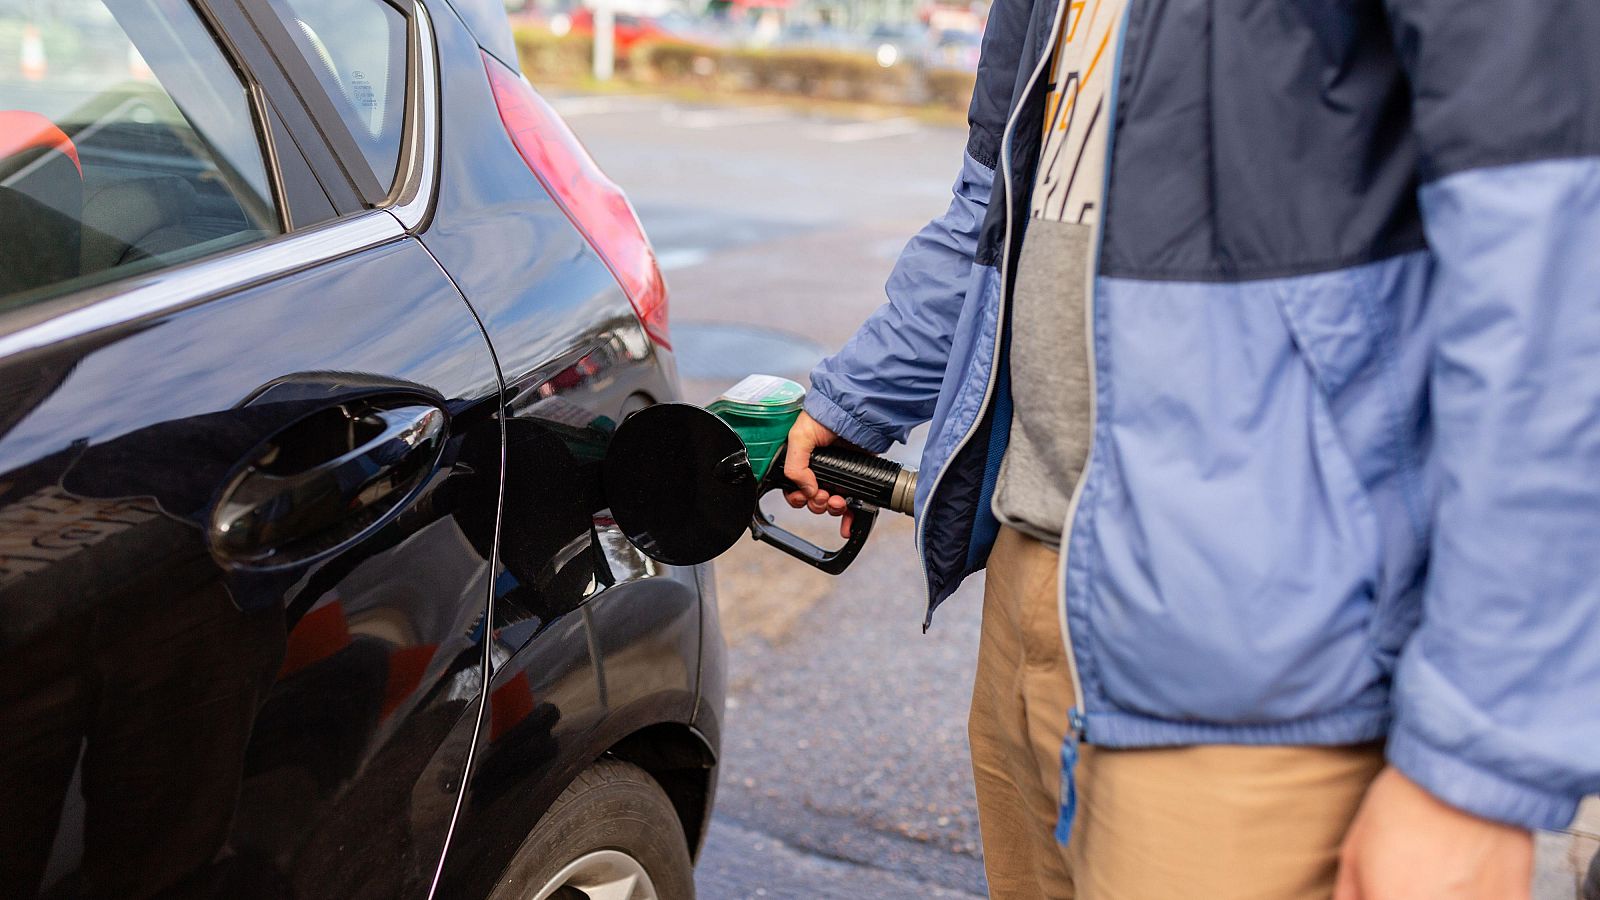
[{"x": 845, "y": 769}]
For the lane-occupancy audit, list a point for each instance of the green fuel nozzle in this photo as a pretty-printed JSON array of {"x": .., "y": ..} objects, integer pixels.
[
  {"x": 762, "y": 408},
  {"x": 684, "y": 482}
]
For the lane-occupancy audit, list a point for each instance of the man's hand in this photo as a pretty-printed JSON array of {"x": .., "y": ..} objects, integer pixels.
[
  {"x": 1407, "y": 845},
  {"x": 806, "y": 435}
]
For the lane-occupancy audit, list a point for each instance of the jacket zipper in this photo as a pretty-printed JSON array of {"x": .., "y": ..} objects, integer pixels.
[
  {"x": 1079, "y": 727},
  {"x": 994, "y": 363}
]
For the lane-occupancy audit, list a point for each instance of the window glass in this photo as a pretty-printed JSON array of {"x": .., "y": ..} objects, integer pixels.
[
  {"x": 127, "y": 143},
  {"x": 357, "y": 48}
]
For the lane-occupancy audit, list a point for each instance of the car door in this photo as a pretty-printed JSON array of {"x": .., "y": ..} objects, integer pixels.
[{"x": 249, "y": 470}]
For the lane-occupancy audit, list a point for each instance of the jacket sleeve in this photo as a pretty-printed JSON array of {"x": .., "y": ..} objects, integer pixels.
[
  {"x": 886, "y": 378},
  {"x": 1497, "y": 694}
]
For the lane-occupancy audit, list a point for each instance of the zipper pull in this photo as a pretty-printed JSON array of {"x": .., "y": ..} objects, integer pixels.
[{"x": 1068, "y": 796}]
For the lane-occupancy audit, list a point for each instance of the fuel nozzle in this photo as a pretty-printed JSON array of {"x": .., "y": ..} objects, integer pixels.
[
  {"x": 858, "y": 475},
  {"x": 684, "y": 482},
  {"x": 762, "y": 408}
]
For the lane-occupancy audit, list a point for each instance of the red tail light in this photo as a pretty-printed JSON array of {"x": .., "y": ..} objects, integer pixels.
[{"x": 592, "y": 201}]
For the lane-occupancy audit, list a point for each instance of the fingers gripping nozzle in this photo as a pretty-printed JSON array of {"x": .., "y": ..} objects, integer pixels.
[
  {"x": 861, "y": 476},
  {"x": 867, "y": 483}
]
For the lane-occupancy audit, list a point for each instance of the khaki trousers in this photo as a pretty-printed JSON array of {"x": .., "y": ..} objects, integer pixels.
[{"x": 1188, "y": 823}]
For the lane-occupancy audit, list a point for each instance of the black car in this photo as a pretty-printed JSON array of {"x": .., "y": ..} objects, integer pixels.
[{"x": 314, "y": 323}]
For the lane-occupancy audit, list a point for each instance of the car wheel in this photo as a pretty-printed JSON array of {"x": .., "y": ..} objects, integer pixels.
[{"x": 611, "y": 835}]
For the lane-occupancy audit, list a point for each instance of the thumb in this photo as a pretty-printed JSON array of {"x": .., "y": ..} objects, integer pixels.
[
  {"x": 803, "y": 438},
  {"x": 1347, "y": 887}
]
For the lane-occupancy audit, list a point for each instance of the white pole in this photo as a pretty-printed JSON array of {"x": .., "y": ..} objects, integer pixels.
[{"x": 605, "y": 40}]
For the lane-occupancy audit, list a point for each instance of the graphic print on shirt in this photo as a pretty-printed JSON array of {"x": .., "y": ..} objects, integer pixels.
[{"x": 1072, "y": 166}]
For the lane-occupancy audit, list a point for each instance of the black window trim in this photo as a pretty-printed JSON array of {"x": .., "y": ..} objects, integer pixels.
[
  {"x": 247, "y": 45},
  {"x": 306, "y": 194},
  {"x": 255, "y": 101},
  {"x": 258, "y": 101},
  {"x": 269, "y": 154},
  {"x": 324, "y": 115}
]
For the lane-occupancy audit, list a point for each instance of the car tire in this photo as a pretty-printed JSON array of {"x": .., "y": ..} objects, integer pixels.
[{"x": 612, "y": 817}]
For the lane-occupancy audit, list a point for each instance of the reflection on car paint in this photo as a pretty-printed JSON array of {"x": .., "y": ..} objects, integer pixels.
[{"x": 291, "y": 699}]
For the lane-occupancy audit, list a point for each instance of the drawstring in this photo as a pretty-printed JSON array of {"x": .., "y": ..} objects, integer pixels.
[{"x": 1068, "y": 796}]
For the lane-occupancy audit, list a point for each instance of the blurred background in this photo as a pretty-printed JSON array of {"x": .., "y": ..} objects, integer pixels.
[{"x": 918, "y": 54}]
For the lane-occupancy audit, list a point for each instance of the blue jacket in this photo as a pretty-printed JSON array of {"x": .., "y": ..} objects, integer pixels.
[{"x": 1345, "y": 332}]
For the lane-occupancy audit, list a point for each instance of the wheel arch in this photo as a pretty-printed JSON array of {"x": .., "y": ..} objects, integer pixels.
[{"x": 684, "y": 763}]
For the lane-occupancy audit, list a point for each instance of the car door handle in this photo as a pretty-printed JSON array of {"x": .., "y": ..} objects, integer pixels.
[{"x": 325, "y": 479}]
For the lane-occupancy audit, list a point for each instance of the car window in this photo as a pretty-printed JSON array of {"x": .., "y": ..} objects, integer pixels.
[
  {"x": 357, "y": 48},
  {"x": 127, "y": 143}
]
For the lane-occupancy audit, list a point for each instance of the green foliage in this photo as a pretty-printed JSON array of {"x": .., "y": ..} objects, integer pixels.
[
  {"x": 547, "y": 58},
  {"x": 819, "y": 74},
  {"x": 675, "y": 61}
]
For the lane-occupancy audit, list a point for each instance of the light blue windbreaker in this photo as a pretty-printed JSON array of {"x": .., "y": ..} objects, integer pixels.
[{"x": 1345, "y": 473}]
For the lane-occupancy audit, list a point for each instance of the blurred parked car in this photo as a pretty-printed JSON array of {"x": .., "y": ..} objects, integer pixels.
[
  {"x": 804, "y": 35},
  {"x": 630, "y": 29},
  {"x": 314, "y": 324},
  {"x": 898, "y": 44},
  {"x": 957, "y": 50}
]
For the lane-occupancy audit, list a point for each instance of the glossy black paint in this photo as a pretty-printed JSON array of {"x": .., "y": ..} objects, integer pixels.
[
  {"x": 622, "y": 653},
  {"x": 486, "y": 19},
  {"x": 264, "y": 711},
  {"x": 184, "y": 713}
]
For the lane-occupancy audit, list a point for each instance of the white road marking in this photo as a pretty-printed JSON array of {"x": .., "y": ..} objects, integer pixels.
[
  {"x": 601, "y": 105},
  {"x": 864, "y": 131},
  {"x": 733, "y": 117},
  {"x": 724, "y": 118},
  {"x": 681, "y": 258}
]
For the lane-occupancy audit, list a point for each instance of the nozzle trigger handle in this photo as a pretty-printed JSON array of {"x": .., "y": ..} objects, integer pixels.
[{"x": 763, "y": 529}]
